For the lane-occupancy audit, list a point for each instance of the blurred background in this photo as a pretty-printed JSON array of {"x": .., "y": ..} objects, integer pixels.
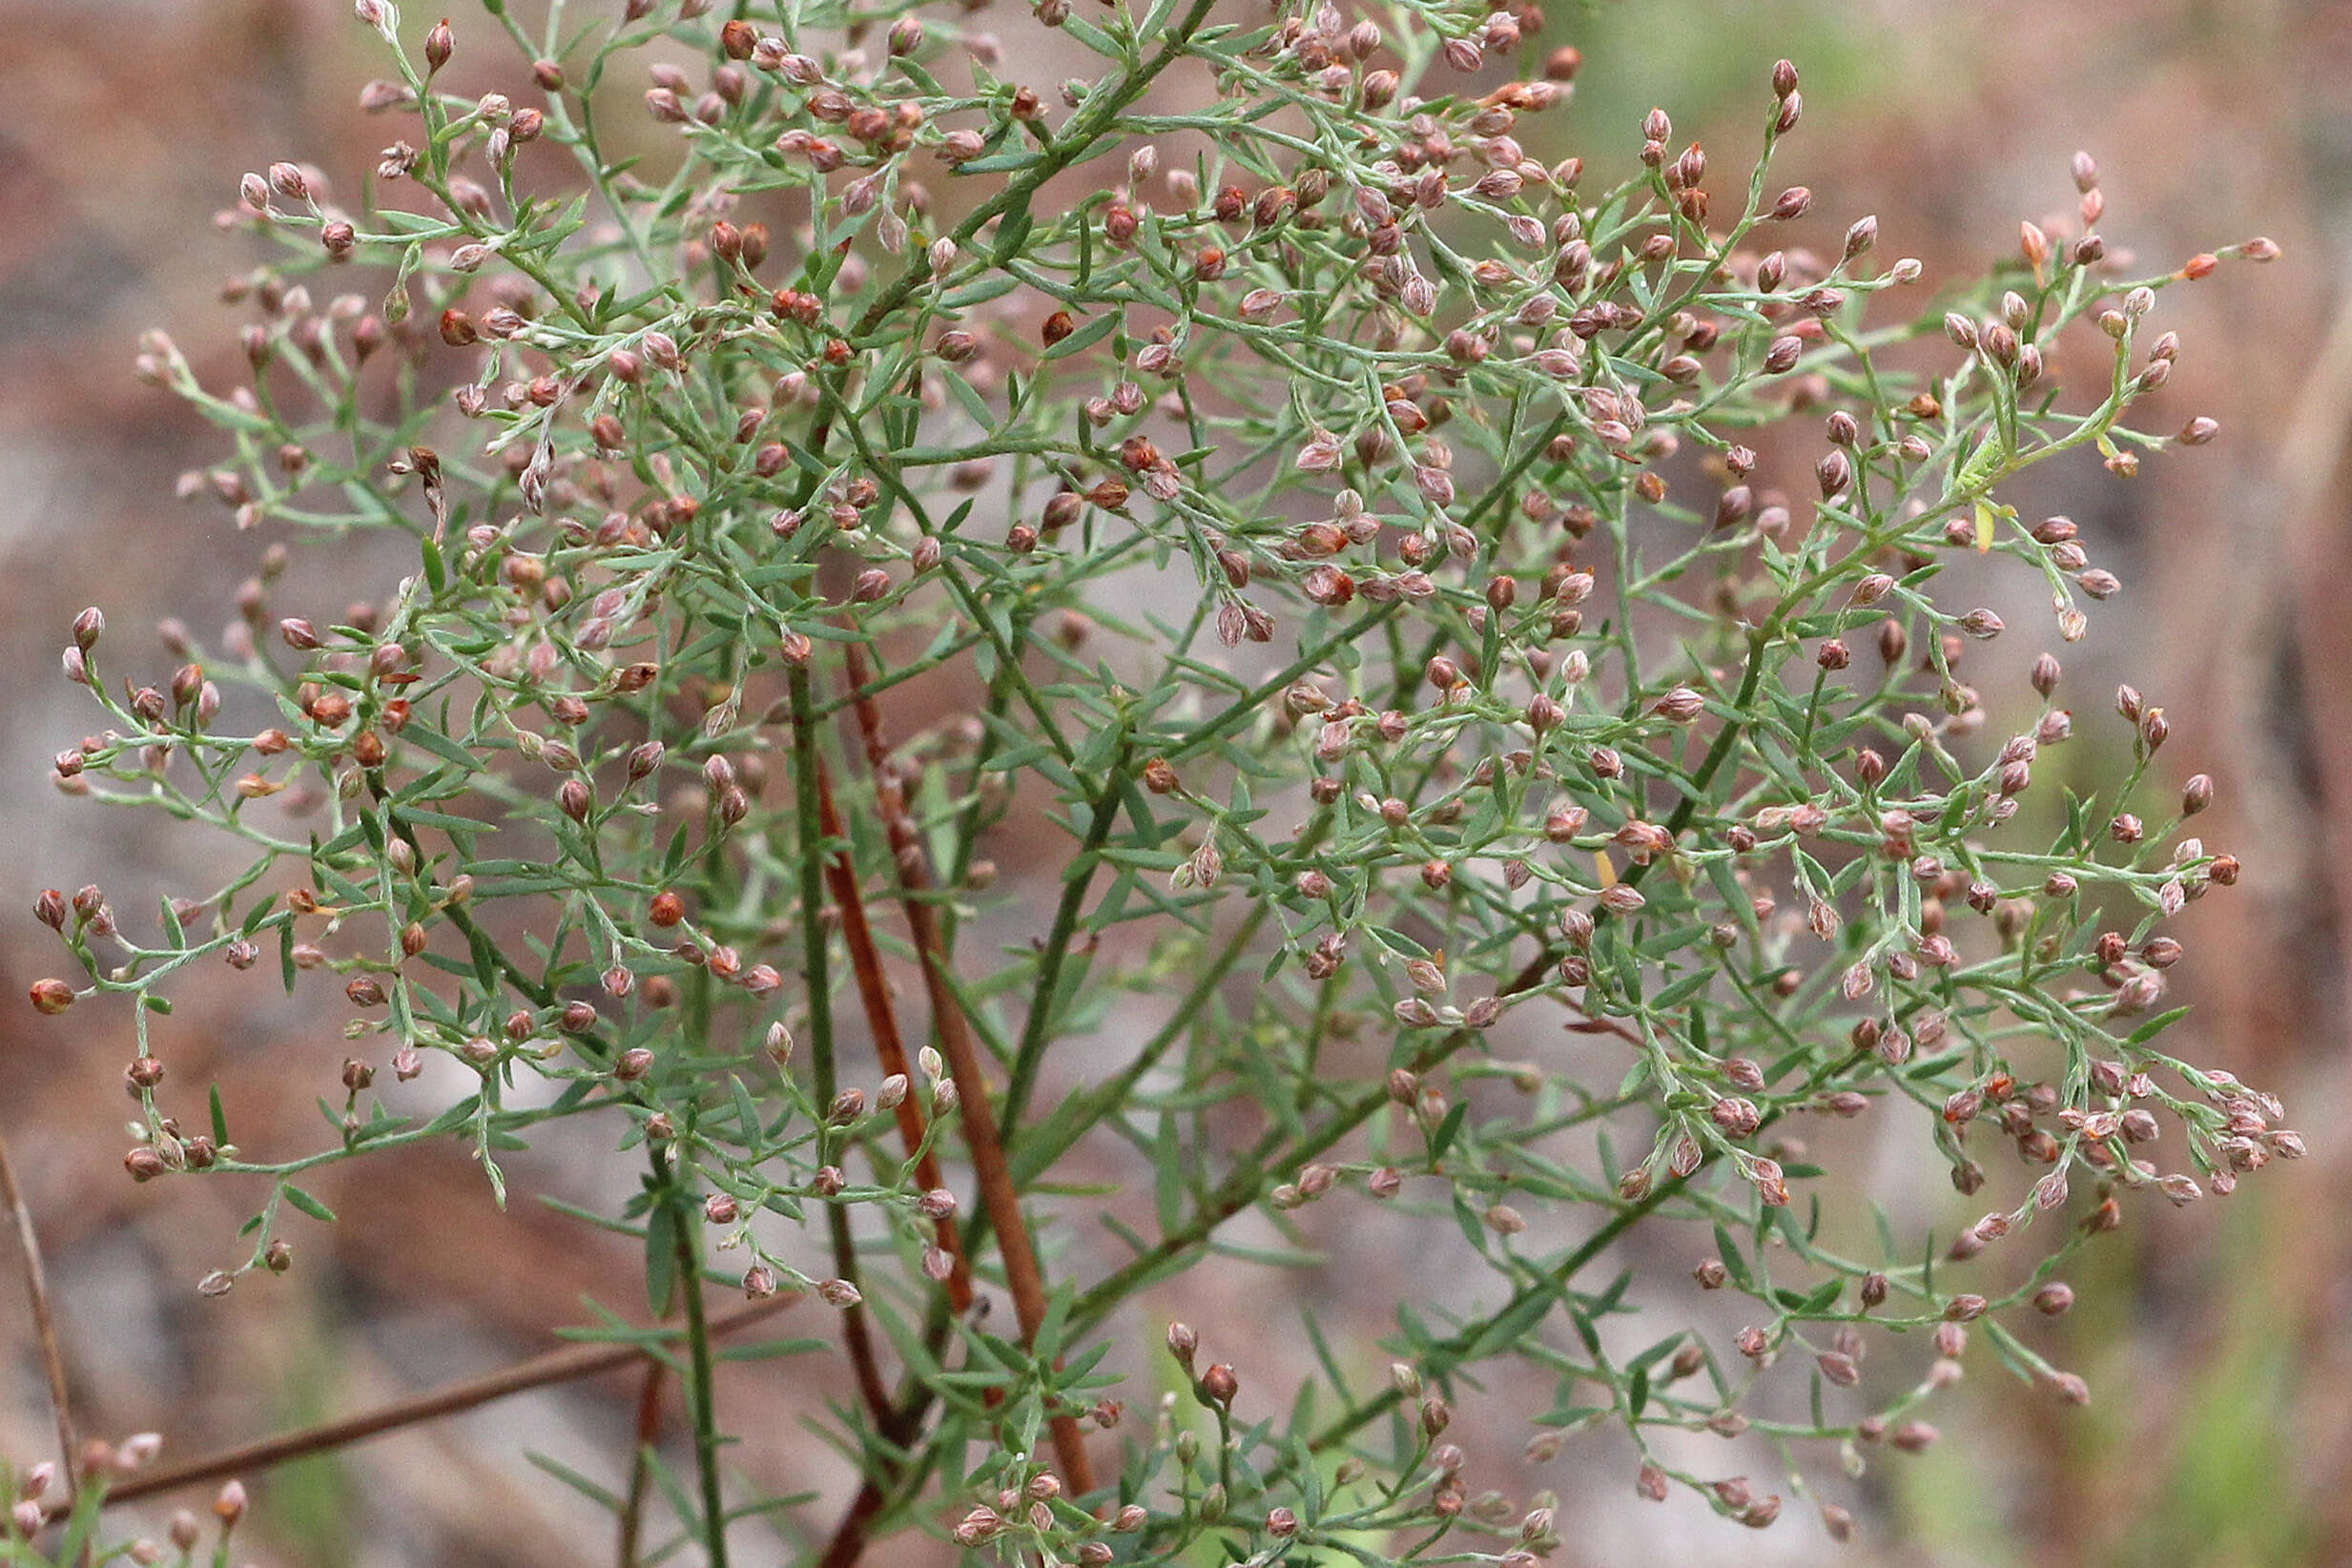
[{"x": 2215, "y": 1338}]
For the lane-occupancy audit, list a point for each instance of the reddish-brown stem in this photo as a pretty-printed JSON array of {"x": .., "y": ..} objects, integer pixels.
[
  {"x": 856, "y": 1335},
  {"x": 640, "y": 1473},
  {"x": 557, "y": 1366},
  {"x": 1000, "y": 1196},
  {"x": 849, "y": 1536},
  {"x": 889, "y": 1044}
]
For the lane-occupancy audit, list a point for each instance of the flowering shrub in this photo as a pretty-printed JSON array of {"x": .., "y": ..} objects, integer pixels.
[{"x": 1419, "y": 595}]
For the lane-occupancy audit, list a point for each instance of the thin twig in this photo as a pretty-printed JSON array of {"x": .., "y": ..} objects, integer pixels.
[
  {"x": 889, "y": 1044},
  {"x": 856, "y": 1336},
  {"x": 849, "y": 1536},
  {"x": 640, "y": 1469},
  {"x": 856, "y": 1333},
  {"x": 815, "y": 965},
  {"x": 557, "y": 1366},
  {"x": 44, "y": 1322},
  {"x": 1000, "y": 1196}
]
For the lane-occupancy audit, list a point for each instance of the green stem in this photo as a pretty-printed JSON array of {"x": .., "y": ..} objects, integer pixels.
[
  {"x": 684, "y": 1223},
  {"x": 1031, "y": 1051},
  {"x": 810, "y": 814}
]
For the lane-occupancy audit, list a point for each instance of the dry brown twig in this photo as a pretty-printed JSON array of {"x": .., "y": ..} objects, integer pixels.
[
  {"x": 556, "y": 1366},
  {"x": 44, "y": 1321}
]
